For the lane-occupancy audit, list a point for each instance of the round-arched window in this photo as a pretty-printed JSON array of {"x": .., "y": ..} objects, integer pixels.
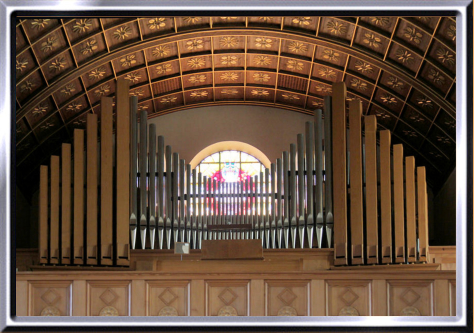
[{"x": 230, "y": 166}]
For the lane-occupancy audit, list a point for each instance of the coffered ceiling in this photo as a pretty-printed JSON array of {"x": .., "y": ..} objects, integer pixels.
[{"x": 402, "y": 68}]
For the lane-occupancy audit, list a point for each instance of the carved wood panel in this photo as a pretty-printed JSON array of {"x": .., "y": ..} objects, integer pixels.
[
  {"x": 287, "y": 298},
  {"x": 108, "y": 298},
  {"x": 167, "y": 298},
  {"x": 50, "y": 298},
  {"x": 452, "y": 297},
  {"x": 227, "y": 298},
  {"x": 348, "y": 298},
  {"x": 410, "y": 298}
]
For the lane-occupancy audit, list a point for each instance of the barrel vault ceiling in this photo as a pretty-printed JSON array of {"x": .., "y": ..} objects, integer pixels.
[{"x": 401, "y": 68}]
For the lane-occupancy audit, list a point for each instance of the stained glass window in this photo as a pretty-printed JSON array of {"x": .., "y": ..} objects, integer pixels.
[{"x": 230, "y": 166}]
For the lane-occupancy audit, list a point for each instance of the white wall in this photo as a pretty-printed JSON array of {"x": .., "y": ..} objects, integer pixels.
[{"x": 271, "y": 130}]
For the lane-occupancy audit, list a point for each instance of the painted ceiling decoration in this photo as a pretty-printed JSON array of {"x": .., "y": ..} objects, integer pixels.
[{"x": 402, "y": 69}]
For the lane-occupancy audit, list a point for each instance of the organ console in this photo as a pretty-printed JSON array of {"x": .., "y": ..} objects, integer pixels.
[{"x": 332, "y": 189}]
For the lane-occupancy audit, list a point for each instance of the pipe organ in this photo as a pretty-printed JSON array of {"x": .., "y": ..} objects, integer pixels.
[{"x": 332, "y": 189}]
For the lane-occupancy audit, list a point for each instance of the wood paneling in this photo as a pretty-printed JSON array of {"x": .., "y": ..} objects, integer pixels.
[
  {"x": 227, "y": 298},
  {"x": 348, "y": 298},
  {"x": 46, "y": 298},
  {"x": 167, "y": 298},
  {"x": 106, "y": 298},
  {"x": 287, "y": 298},
  {"x": 410, "y": 298},
  {"x": 257, "y": 298},
  {"x": 452, "y": 297}
]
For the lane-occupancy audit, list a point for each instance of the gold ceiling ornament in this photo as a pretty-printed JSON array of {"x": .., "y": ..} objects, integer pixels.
[
  {"x": 331, "y": 55},
  {"x": 302, "y": 20},
  {"x": 28, "y": 85},
  {"x": 198, "y": 94},
  {"x": 46, "y": 125},
  {"x": 50, "y": 44},
  {"x": 197, "y": 79},
  {"x": 97, "y": 73},
  {"x": 298, "y": 47},
  {"x": 416, "y": 118},
  {"x": 424, "y": 19},
  {"x": 364, "y": 67},
  {"x": 261, "y": 77},
  {"x": 327, "y": 73},
  {"x": 168, "y": 100},
  {"x": 142, "y": 108},
  {"x": 443, "y": 140},
  {"x": 22, "y": 146},
  {"x": 102, "y": 90},
  {"x": 228, "y": 41},
  {"x": 378, "y": 20},
  {"x": 294, "y": 65},
  {"x": 413, "y": 35},
  {"x": 260, "y": 92},
  {"x": 359, "y": 84},
  {"x": 21, "y": 64},
  {"x": 82, "y": 26},
  {"x": 436, "y": 76},
  {"x": 381, "y": 114},
  {"x": 262, "y": 60},
  {"x": 323, "y": 88},
  {"x": 404, "y": 56},
  {"x": 445, "y": 56},
  {"x": 79, "y": 122},
  {"x": 395, "y": 83},
  {"x": 435, "y": 154},
  {"x": 122, "y": 32},
  {"x": 74, "y": 107},
  {"x": 317, "y": 104},
  {"x": 290, "y": 97},
  {"x": 128, "y": 61},
  {"x": 229, "y": 60},
  {"x": 336, "y": 28},
  {"x": 162, "y": 69},
  {"x": 192, "y": 19},
  {"x": 263, "y": 42},
  {"x": 228, "y": 18},
  {"x": 372, "y": 40},
  {"x": 160, "y": 51},
  {"x": 229, "y": 76},
  {"x": 196, "y": 62},
  {"x": 40, "y": 109},
  {"x": 424, "y": 102},
  {"x": 133, "y": 77},
  {"x": 39, "y": 24},
  {"x": 229, "y": 92},
  {"x": 410, "y": 133},
  {"x": 137, "y": 92},
  {"x": 194, "y": 44},
  {"x": 157, "y": 23},
  {"x": 451, "y": 32},
  {"x": 57, "y": 64},
  {"x": 265, "y": 18},
  {"x": 89, "y": 47},
  {"x": 450, "y": 123},
  {"x": 68, "y": 89},
  {"x": 388, "y": 99}
]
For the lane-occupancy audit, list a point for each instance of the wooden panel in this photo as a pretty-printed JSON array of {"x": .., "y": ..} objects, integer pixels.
[
  {"x": 22, "y": 298},
  {"x": 379, "y": 298},
  {"x": 398, "y": 204},
  {"x": 452, "y": 297},
  {"x": 54, "y": 218},
  {"x": 91, "y": 201},
  {"x": 232, "y": 249},
  {"x": 356, "y": 196},
  {"x": 422, "y": 198},
  {"x": 108, "y": 298},
  {"x": 106, "y": 179},
  {"x": 122, "y": 173},
  {"x": 339, "y": 169},
  {"x": 66, "y": 204},
  {"x": 371, "y": 189},
  {"x": 287, "y": 298},
  {"x": 198, "y": 299},
  {"x": 227, "y": 298},
  {"x": 43, "y": 216},
  {"x": 78, "y": 197},
  {"x": 441, "y": 298},
  {"x": 385, "y": 196},
  {"x": 348, "y": 298},
  {"x": 318, "y": 298},
  {"x": 410, "y": 298},
  {"x": 50, "y": 298},
  {"x": 79, "y": 292},
  {"x": 410, "y": 208},
  {"x": 257, "y": 298},
  {"x": 167, "y": 298}
]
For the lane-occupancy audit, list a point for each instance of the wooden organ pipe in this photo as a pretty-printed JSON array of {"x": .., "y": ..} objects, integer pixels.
[
  {"x": 385, "y": 197},
  {"x": 133, "y": 171},
  {"x": 174, "y": 197},
  {"x": 79, "y": 225},
  {"x": 318, "y": 207},
  {"x": 43, "y": 216},
  {"x": 66, "y": 253},
  {"x": 54, "y": 214},
  {"x": 371, "y": 189},
  {"x": 328, "y": 170},
  {"x": 91, "y": 187},
  {"x": 410, "y": 205},
  {"x": 398, "y": 205},
  {"x": 422, "y": 206}
]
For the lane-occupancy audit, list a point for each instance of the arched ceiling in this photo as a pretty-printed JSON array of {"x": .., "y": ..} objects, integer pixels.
[{"x": 402, "y": 68}]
